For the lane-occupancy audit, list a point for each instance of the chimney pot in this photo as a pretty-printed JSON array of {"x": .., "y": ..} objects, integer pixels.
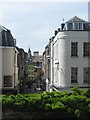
[{"x": 56, "y": 32}]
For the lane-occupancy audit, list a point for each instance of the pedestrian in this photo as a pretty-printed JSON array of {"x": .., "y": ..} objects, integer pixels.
[
  {"x": 41, "y": 86},
  {"x": 35, "y": 88}
]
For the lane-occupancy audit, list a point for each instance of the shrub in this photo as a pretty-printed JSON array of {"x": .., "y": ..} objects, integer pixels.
[{"x": 76, "y": 103}]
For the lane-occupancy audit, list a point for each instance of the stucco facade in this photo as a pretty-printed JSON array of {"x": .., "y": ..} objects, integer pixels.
[
  {"x": 62, "y": 62},
  {"x": 8, "y": 62},
  {"x": 9, "y": 65},
  {"x": 62, "y": 55}
]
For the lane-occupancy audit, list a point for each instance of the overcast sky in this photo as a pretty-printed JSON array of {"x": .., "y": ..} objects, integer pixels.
[{"x": 32, "y": 24}]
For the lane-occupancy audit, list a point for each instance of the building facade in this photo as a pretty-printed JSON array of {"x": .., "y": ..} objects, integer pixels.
[
  {"x": 8, "y": 56},
  {"x": 70, "y": 55},
  {"x": 46, "y": 67},
  {"x": 22, "y": 69},
  {"x": 37, "y": 60},
  {"x": 30, "y": 66}
]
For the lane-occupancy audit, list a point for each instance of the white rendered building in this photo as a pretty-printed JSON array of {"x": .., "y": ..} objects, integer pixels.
[
  {"x": 70, "y": 55},
  {"x": 8, "y": 62}
]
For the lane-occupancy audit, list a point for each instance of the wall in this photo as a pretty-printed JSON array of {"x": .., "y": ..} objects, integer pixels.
[
  {"x": 8, "y": 66},
  {"x": 62, "y": 72},
  {"x": 31, "y": 71},
  {"x": 0, "y": 68}
]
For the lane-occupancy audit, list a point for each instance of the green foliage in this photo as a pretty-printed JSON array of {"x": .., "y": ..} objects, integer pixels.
[
  {"x": 58, "y": 106},
  {"x": 77, "y": 113},
  {"x": 76, "y": 103},
  {"x": 48, "y": 106},
  {"x": 40, "y": 74},
  {"x": 88, "y": 93}
]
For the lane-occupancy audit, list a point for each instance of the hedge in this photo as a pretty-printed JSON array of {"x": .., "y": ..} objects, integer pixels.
[{"x": 65, "y": 104}]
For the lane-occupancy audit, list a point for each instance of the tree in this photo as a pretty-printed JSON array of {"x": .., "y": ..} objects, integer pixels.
[{"x": 40, "y": 74}]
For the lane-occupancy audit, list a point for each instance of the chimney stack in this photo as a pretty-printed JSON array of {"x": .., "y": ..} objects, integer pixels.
[
  {"x": 56, "y": 32},
  {"x": 53, "y": 37},
  {"x": 62, "y": 26},
  {"x": 58, "y": 29}
]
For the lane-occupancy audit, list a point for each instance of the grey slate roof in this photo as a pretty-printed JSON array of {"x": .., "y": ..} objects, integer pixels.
[
  {"x": 75, "y": 19},
  {"x": 6, "y": 38}
]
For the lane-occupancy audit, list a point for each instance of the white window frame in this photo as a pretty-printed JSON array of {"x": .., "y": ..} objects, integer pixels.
[
  {"x": 86, "y": 53},
  {"x": 74, "y": 75},
  {"x": 74, "y": 50},
  {"x": 70, "y": 27},
  {"x": 78, "y": 23},
  {"x": 86, "y": 75}
]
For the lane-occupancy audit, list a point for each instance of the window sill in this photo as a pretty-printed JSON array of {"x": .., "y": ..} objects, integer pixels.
[
  {"x": 74, "y": 56},
  {"x": 86, "y": 83},
  {"x": 74, "y": 83},
  {"x": 86, "y": 56}
]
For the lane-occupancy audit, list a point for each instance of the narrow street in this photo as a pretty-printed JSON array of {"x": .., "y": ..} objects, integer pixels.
[{"x": 34, "y": 89}]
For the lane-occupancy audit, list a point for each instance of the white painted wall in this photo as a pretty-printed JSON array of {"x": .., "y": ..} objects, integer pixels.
[
  {"x": 9, "y": 67},
  {"x": 0, "y": 60},
  {"x": 0, "y": 68},
  {"x": 62, "y": 54}
]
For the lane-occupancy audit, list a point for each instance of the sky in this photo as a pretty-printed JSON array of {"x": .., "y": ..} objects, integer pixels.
[{"x": 33, "y": 23}]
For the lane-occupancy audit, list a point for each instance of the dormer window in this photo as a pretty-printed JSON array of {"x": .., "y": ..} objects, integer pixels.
[
  {"x": 78, "y": 26},
  {"x": 75, "y": 26},
  {"x": 70, "y": 26}
]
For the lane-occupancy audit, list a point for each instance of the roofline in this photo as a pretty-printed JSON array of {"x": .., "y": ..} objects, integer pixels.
[
  {"x": 74, "y": 17},
  {"x": 75, "y": 30},
  {"x": 4, "y": 28},
  {"x": 6, "y": 47}
]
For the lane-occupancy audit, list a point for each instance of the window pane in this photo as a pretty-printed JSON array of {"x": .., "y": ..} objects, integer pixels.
[
  {"x": 7, "y": 81},
  {"x": 70, "y": 26},
  {"x": 86, "y": 75},
  {"x": 74, "y": 74},
  {"x": 86, "y": 49},
  {"x": 74, "y": 49},
  {"x": 80, "y": 26},
  {"x": 76, "y": 26}
]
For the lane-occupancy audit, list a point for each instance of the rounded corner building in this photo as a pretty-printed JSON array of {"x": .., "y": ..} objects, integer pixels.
[{"x": 70, "y": 55}]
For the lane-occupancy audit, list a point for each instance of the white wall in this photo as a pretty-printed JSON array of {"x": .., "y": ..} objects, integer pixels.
[
  {"x": 8, "y": 66},
  {"x": 63, "y": 56},
  {"x": 16, "y": 67},
  {"x": 0, "y": 60},
  {"x": 0, "y": 68}
]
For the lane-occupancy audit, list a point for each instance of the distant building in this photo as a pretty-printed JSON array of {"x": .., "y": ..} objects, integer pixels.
[
  {"x": 8, "y": 54},
  {"x": 46, "y": 68},
  {"x": 37, "y": 59},
  {"x": 29, "y": 55},
  {"x": 22, "y": 69},
  {"x": 30, "y": 66},
  {"x": 31, "y": 70},
  {"x": 38, "y": 77}
]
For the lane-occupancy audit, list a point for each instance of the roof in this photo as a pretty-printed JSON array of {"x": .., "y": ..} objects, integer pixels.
[
  {"x": 6, "y": 38},
  {"x": 75, "y": 19},
  {"x": 3, "y": 28}
]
